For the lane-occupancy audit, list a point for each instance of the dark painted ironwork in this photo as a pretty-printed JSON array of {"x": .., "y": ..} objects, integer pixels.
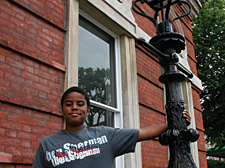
[{"x": 165, "y": 45}]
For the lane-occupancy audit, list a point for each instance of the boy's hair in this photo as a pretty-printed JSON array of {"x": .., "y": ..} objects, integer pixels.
[{"x": 75, "y": 89}]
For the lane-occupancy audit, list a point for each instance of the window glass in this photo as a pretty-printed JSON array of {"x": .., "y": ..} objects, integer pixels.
[{"x": 96, "y": 70}]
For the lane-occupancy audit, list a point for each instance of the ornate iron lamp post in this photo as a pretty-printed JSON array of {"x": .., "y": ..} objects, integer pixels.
[{"x": 165, "y": 45}]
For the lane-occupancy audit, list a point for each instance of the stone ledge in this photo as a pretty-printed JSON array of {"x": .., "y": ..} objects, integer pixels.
[{"x": 5, "y": 158}]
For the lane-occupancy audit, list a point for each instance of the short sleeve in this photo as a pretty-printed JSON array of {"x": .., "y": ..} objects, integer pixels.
[
  {"x": 122, "y": 140},
  {"x": 39, "y": 161}
]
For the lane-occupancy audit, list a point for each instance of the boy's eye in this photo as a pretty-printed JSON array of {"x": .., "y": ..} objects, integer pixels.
[
  {"x": 68, "y": 104},
  {"x": 80, "y": 104}
]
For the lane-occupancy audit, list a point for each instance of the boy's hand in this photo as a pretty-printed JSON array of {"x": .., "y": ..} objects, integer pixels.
[{"x": 187, "y": 116}]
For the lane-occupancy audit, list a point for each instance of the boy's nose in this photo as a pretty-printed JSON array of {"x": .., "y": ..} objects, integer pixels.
[{"x": 74, "y": 106}]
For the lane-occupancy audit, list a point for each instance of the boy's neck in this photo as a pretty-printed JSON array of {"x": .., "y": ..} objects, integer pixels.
[{"x": 73, "y": 128}]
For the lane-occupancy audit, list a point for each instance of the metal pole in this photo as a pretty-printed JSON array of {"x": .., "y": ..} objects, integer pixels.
[
  {"x": 178, "y": 137},
  {"x": 165, "y": 45}
]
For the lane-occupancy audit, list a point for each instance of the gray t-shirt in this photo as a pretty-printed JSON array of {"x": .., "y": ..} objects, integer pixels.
[{"x": 94, "y": 147}]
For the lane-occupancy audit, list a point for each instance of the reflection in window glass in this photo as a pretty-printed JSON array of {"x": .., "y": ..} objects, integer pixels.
[
  {"x": 99, "y": 116},
  {"x": 96, "y": 69}
]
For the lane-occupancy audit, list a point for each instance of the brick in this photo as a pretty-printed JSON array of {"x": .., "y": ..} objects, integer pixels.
[
  {"x": 29, "y": 69},
  {"x": 7, "y": 10},
  {"x": 16, "y": 57},
  {"x": 18, "y": 23},
  {"x": 6, "y": 39},
  {"x": 45, "y": 43},
  {"x": 53, "y": 98},
  {"x": 25, "y": 143},
  {"x": 28, "y": 61},
  {"x": 55, "y": 85},
  {"x": 43, "y": 81},
  {"x": 52, "y": 125},
  {"x": 2, "y": 132},
  {"x": 11, "y": 108},
  {"x": 11, "y": 133},
  {"x": 42, "y": 87},
  {"x": 4, "y": 15},
  {"x": 58, "y": 4},
  {"x": 30, "y": 36},
  {"x": 4, "y": 52},
  {"x": 19, "y": 30},
  {"x": 20, "y": 17},
  {"x": 4, "y": 29},
  {"x": 30, "y": 76},
  {"x": 41, "y": 130},
  {"x": 27, "y": 160},
  {"x": 34, "y": 144},
  {"x": 26, "y": 128},
  {"x": 1, "y": 74},
  {"x": 26, "y": 135},
  {"x": 41, "y": 115},
  {"x": 44, "y": 48},
  {"x": 16, "y": 78},
  {"x": 27, "y": 112},
  {"x": 42, "y": 123},
  {"x": 54, "y": 118},
  {"x": 43, "y": 95},
  {"x": 15, "y": 71},
  {"x": 46, "y": 31},
  {"x": 56, "y": 92},
  {"x": 33, "y": 24},
  {"x": 42, "y": 74},
  {"x": 5, "y": 158},
  {"x": 20, "y": 11},
  {"x": 2, "y": 148},
  {"x": 17, "y": 159},
  {"x": 11, "y": 125},
  {"x": 12, "y": 117},
  {"x": 28, "y": 83},
  {"x": 3, "y": 115},
  {"x": 7, "y": 141},
  {"x": 2, "y": 58},
  {"x": 27, "y": 120},
  {"x": 45, "y": 36}
]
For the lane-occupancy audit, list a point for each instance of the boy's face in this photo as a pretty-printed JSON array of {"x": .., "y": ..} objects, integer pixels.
[{"x": 75, "y": 111}]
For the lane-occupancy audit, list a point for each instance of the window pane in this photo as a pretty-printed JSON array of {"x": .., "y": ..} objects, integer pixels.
[
  {"x": 99, "y": 116},
  {"x": 96, "y": 64}
]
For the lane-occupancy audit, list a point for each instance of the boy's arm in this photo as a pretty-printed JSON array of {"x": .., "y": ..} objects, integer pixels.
[{"x": 150, "y": 132}]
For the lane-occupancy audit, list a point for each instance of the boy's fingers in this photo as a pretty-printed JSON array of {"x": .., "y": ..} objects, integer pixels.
[{"x": 187, "y": 117}]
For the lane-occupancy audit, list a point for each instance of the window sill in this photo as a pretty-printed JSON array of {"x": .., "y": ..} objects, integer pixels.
[{"x": 5, "y": 158}]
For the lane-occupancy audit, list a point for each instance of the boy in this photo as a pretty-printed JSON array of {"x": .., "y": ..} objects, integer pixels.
[{"x": 95, "y": 147}]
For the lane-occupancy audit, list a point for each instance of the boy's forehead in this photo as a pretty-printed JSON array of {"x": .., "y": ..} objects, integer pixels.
[{"x": 75, "y": 95}]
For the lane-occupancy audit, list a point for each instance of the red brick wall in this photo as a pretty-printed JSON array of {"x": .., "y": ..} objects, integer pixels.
[
  {"x": 31, "y": 79},
  {"x": 31, "y": 76},
  {"x": 151, "y": 91}
]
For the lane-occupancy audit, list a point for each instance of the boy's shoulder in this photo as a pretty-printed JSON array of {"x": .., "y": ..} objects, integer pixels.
[{"x": 61, "y": 134}]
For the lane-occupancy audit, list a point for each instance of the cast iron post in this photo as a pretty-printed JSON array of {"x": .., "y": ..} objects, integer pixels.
[{"x": 165, "y": 45}]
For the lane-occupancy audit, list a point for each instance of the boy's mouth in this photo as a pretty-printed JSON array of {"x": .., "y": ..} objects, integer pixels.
[{"x": 74, "y": 114}]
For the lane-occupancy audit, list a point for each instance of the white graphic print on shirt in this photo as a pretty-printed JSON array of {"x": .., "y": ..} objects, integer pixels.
[{"x": 71, "y": 152}]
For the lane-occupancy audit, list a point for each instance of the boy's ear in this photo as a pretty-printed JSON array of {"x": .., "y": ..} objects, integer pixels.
[{"x": 88, "y": 111}]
